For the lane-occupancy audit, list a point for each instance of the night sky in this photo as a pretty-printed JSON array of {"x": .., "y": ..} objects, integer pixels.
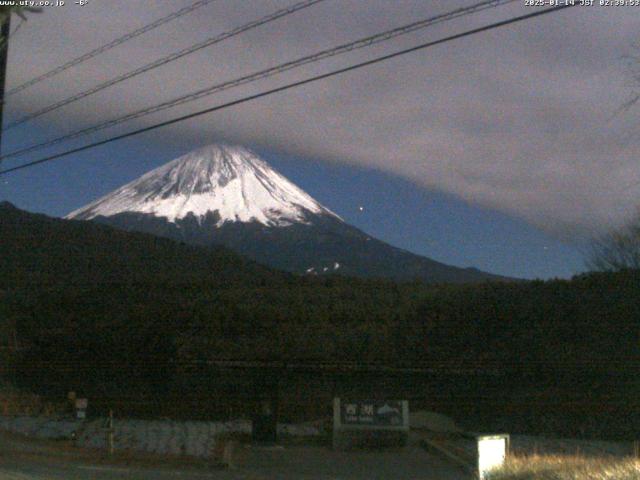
[{"x": 504, "y": 151}]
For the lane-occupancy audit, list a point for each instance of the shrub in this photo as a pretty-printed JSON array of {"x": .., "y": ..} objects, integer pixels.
[{"x": 560, "y": 467}]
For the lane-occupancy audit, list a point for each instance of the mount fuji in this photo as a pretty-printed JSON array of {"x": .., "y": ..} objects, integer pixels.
[{"x": 227, "y": 195}]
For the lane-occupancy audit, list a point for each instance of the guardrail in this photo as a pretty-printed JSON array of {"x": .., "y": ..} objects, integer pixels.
[{"x": 452, "y": 452}]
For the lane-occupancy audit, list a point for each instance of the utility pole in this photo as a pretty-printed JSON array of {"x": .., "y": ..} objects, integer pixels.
[
  {"x": 5, "y": 33},
  {"x": 4, "y": 55}
]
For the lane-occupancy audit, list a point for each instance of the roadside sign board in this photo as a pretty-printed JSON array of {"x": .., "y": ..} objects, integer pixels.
[
  {"x": 352, "y": 415},
  {"x": 372, "y": 413}
]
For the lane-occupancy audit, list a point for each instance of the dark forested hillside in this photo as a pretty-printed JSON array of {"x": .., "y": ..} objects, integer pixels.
[
  {"x": 105, "y": 311},
  {"x": 591, "y": 322},
  {"x": 85, "y": 294},
  {"x": 39, "y": 250}
]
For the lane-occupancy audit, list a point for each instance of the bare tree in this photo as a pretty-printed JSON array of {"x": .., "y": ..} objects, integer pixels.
[
  {"x": 618, "y": 249},
  {"x": 5, "y": 14},
  {"x": 20, "y": 11}
]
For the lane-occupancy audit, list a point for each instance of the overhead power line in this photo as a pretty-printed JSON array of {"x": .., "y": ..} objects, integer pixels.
[
  {"x": 170, "y": 58},
  {"x": 109, "y": 46},
  {"x": 269, "y": 72},
  {"x": 18, "y": 27},
  {"x": 292, "y": 85}
]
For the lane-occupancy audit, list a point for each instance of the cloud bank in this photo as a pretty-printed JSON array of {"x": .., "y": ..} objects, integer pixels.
[{"x": 520, "y": 119}]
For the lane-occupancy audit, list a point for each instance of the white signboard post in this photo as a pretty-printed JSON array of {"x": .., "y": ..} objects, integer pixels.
[{"x": 492, "y": 452}]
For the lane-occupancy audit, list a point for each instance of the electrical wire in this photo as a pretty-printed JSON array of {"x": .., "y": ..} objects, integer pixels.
[
  {"x": 15, "y": 30},
  {"x": 269, "y": 72},
  {"x": 108, "y": 46},
  {"x": 165, "y": 60},
  {"x": 293, "y": 85}
]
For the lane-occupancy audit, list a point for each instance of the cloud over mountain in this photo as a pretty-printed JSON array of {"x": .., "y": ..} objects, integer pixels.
[{"x": 519, "y": 119}]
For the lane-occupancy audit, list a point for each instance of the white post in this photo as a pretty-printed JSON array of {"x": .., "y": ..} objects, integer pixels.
[
  {"x": 110, "y": 433},
  {"x": 336, "y": 422},
  {"x": 492, "y": 452}
]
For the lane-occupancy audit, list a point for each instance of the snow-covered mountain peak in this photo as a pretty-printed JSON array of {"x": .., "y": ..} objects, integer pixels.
[{"x": 230, "y": 180}]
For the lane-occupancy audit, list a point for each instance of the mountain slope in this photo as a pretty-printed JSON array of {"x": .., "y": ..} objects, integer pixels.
[
  {"x": 228, "y": 196},
  {"x": 105, "y": 312},
  {"x": 38, "y": 251}
]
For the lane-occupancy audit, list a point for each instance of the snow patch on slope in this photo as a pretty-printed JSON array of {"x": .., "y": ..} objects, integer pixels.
[{"x": 230, "y": 180}]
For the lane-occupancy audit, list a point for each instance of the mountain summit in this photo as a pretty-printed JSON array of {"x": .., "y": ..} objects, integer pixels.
[
  {"x": 228, "y": 180},
  {"x": 227, "y": 195}
]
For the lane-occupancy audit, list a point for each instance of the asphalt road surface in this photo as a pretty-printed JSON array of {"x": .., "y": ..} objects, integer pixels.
[{"x": 25, "y": 459}]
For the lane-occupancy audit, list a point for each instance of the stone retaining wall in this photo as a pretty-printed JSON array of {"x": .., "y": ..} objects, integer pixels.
[{"x": 164, "y": 437}]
